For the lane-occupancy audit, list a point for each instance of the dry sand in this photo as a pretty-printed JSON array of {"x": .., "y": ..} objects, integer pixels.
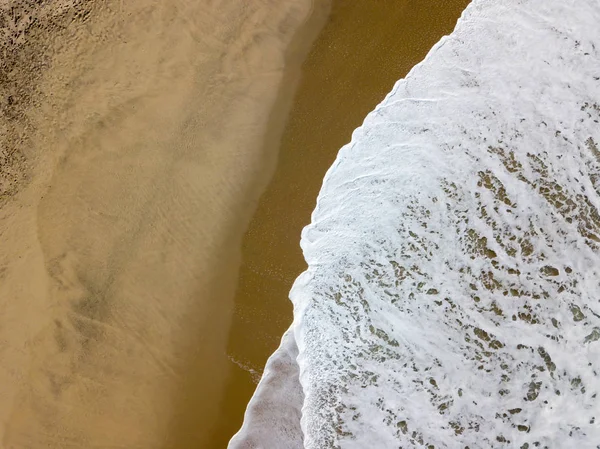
[
  {"x": 132, "y": 158},
  {"x": 364, "y": 48}
]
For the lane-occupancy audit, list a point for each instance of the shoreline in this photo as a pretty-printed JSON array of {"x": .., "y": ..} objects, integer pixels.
[
  {"x": 359, "y": 55},
  {"x": 390, "y": 312}
]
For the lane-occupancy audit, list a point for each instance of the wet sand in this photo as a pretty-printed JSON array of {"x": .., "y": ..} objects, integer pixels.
[
  {"x": 364, "y": 48},
  {"x": 133, "y": 154}
]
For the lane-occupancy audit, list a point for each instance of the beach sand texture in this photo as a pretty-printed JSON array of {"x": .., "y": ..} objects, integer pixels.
[{"x": 132, "y": 159}]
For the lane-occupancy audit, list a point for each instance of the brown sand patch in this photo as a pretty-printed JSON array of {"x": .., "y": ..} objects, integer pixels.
[{"x": 122, "y": 217}]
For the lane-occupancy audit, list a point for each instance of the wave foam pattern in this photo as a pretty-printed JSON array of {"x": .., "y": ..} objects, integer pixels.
[{"x": 452, "y": 297}]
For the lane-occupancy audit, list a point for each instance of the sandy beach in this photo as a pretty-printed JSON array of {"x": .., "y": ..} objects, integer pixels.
[
  {"x": 136, "y": 140},
  {"x": 132, "y": 159}
]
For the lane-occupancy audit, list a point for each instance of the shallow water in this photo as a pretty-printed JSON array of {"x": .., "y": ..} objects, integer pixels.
[{"x": 361, "y": 52}]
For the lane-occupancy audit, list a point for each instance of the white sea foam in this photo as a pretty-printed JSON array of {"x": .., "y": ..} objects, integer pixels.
[
  {"x": 452, "y": 297},
  {"x": 272, "y": 419}
]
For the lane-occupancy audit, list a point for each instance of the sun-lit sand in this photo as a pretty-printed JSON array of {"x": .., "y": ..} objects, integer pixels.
[{"x": 129, "y": 173}]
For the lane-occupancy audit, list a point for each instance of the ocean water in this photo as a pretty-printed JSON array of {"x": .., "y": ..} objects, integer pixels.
[{"x": 452, "y": 296}]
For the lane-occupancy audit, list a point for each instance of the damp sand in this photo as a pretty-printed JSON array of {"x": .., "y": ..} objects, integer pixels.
[
  {"x": 133, "y": 154},
  {"x": 363, "y": 49}
]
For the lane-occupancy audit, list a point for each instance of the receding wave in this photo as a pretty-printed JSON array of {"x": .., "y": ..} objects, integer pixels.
[{"x": 452, "y": 297}]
